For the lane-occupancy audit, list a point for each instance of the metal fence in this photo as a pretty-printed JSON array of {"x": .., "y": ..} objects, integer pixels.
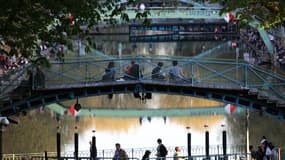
[{"x": 197, "y": 153}]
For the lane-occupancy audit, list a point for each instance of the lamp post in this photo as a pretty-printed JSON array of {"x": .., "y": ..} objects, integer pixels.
[
  {"x": 224, "y": 140},
  {"x": 58, "y": 142},
  {"x": 93, "y": 147},
  {"x": 206, "y": 141},
  {"x": 188, "y": 141},
  {"x": 76, "y": 140}
]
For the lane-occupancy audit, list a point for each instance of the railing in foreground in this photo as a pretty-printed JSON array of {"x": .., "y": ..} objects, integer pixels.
[{"x": 198, "y": 157}]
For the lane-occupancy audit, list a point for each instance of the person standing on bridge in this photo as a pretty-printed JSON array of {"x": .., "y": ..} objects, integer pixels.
[{"x": 176, "y": 72}]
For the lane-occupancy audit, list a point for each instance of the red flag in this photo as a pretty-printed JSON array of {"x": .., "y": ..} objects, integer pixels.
[
  {"x": 231, "y": 16},
  {"x": 71, "y": 20},
  {"x": 72, "y": 110}
]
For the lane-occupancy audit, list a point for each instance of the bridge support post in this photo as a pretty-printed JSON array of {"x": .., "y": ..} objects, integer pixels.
[
  {"x": 58, "y": 143},
  {"x": 207, "y": 144},
  {"x": 76, "y": 144}
]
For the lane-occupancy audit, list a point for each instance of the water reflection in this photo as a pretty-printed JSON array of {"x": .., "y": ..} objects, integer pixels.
[
  {"x": 110, "y": 44},
  {"x": 131, "y": 134},
  {"x": 37, "y": 131},
  {"x": 157, "y": 101}
]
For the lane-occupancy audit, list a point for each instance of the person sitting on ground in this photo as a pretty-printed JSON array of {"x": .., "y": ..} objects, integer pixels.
[
  {"x": 128, "y": 70},
  {"x": 110, "y": 72},
  {"x": 156, "y": 73},
  {"x": 133, "y": 71},
  {"x": 176, "y": 72}
]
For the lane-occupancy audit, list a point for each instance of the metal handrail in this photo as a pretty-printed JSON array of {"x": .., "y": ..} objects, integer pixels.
[{"x": 211, "y": 73}]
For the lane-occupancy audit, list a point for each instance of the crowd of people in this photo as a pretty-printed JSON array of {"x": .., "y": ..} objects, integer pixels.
[
  {"x": 265, "y": 151},
  {"x": 257, "y": 50},
  {"x": 8, "y": 63},
  {"x": 161, "y": 152},
  {"x": 134, "y": 71}
]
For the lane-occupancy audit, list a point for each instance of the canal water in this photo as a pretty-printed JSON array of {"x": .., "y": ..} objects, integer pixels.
[{"x": 36, "y": 131}]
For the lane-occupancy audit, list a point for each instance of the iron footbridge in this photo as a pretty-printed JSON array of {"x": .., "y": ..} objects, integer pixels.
[{"x": 233, "y": 82}]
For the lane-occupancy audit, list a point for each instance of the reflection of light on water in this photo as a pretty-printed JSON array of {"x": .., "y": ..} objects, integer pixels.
[
  {"x": 167, "y": 49},
  {"x": 154, "y": 103},
  {"x": 139, "y": 136}
]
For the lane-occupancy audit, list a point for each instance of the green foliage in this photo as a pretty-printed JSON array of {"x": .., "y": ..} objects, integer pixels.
[
  {"x": 268, "y": 13},
  {"x": 25, "y": 24}
]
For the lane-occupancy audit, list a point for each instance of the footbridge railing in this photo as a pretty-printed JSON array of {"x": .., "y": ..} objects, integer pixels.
[
  {"x": 177, "y": 12},
  {"x": 197, "y": 72},
  {"x": 235, "y": 82}
]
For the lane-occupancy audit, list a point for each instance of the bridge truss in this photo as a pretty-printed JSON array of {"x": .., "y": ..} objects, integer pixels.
[{"x": 239, "y": 83}]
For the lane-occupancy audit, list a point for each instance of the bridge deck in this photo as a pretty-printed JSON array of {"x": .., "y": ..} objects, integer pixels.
[{"x": 231, "y": 82}]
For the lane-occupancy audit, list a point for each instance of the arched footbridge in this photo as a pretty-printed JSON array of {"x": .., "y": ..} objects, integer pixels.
[{"x": 238, "y": 83}]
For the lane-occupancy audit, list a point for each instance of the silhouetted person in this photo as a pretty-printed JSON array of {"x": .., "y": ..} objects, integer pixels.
[
  {"x": 156, "y": 72},
  {"x": 146, "y": 155},
  {"x": 253, "y": 153},
  {"x": 120, "y": 154},
  {"x": 161, "y": 150},
  {"x": 110, "y": 72},
  {"x": 93, "y": 151}
]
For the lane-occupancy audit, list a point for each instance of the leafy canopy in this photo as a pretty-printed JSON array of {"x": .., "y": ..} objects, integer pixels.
[
  {"x": 24, "y": 24},
  {"x": 268, "y": 12}
]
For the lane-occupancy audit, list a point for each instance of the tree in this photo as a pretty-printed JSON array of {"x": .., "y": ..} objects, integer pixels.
[
  {"x": 269, "y": 13},
  {"x": 25, "y": 24}
]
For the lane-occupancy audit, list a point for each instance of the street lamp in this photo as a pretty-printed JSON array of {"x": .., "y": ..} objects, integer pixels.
[
  {"x": 58, "y": 139},
  {"x": 188, "y": 141},
  {"x": 206, "y": 141},
  {"x": 93, "y": 150},
  {"x": 224, "y": 140},
  {"x": 141, "y": 7}
]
